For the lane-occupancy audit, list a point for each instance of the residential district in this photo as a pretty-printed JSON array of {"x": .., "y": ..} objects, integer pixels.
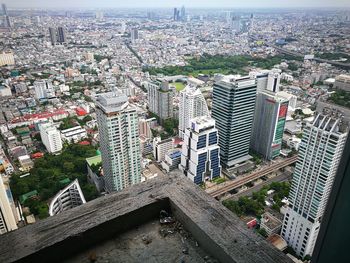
[{"x": 253, "y": 107}]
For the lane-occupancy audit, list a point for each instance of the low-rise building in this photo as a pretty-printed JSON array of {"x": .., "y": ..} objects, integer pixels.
[
  {"x": 74, "y": 134},
  {"x": 5, "y": 91},
  {"x": 25, "y": 162},
  {"x": 342, "y": 82},
  {"x": 7, "y": 58},
  {"x": 270, "y": 223},
  {"x": 172, "y": 160}
]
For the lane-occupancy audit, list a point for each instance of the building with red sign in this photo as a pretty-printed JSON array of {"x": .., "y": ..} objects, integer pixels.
[{"x": 269, "y": 121}]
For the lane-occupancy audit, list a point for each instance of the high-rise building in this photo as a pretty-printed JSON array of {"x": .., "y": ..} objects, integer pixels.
[
  {"x": 145, "y": 128},
  {"x": 236, "y": 23},
  {"x": 267, "y": 79},
  {"x": 57, "y": 35},
  {"x": 4, "y": 9},
  {"x": 319, "y": 155},
  {"x": 69, "y": 197},
  {"x": 261, "y": 79},
  {"x": 119, "y": 140},
  {"x": 200, "y": 151},
  {"x": 44, "y": 89},
  {"x": 7, "y": 218},
  {"x": 6, "y": 18},
  {"x": 191, "y": 104},
  {"x": 61, "y": 35},
  {"x": 176, "y": 15},
  {"x": 53, "y": 35},
  {"x": 269, "y": 120},
  {"x": 51, "y": 137},
  {"x": 99, "y": 15},
  {"x": 273, "y": 81},
  {"x": 332, "y": 241},
  {"x": 160, "y": 99},
  {"x": 183, "y": 13},
  {"x": 134, "y": 34},
  {"x": 233, "y": 110}
]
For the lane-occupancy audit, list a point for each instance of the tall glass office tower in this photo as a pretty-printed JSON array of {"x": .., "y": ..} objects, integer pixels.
[{"x": 233, "y": 110}]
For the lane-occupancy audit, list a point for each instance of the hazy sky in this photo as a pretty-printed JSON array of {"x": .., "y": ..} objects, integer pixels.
[{"x": 172, "y": 3}]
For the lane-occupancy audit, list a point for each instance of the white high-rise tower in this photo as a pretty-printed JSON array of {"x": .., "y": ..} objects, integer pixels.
[
  {"x": 119, "y": 140},
  {"x": 192, "y": 104},
  {"x": 7, "y": 219},
  {"x": 200, "y": 156},
  {"x": 319, "y": 155}
]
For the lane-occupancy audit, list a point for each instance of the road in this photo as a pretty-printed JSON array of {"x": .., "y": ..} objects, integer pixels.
[
  {"x": 234, "y": 184},
  {"x": 279, "y": 178}
]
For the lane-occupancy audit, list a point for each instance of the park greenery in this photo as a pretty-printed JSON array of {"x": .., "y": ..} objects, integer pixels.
[
  {"x": 170, "y": 126},
  {"x": 340, "y": 97},
  {"x": 333, "y": 56},
  {"x": 255, "y": 205},
  {"x": 219, "y": 180},
  {"x": 257, "y": 157},
  {"x": 49, "y": 175},
  {"x": 211, "y": 64}
]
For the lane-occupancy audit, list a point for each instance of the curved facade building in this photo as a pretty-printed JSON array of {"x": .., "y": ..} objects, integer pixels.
[{"x": 70, "y": 197}]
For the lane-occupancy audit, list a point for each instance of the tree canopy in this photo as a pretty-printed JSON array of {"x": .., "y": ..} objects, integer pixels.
[{"x": 48, "y": 173}]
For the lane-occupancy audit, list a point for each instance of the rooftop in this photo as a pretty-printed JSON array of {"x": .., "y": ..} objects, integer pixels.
[
  {"x": 94, "y": 160},
  {"x": 100, "y": 227},
  {"x": 111, "y": 101}
]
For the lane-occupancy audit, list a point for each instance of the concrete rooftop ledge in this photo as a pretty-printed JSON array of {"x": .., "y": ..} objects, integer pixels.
[{"x": 217, "y": 231}]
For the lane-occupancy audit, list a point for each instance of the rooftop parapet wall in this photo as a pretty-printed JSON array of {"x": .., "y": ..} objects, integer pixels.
[{"x": 216, "y": 229}]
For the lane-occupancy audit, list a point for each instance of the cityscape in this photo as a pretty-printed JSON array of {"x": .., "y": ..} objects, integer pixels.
[{"x": 185, "y": 131}]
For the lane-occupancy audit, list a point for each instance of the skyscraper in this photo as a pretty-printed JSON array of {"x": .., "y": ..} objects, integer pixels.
[
  {"x": 57, "y": 35},
  {"x": 4, "y": 9},
  {"x": 6, "y": 18},
  {"x": 319, "y": 155},
  {"x": 273, "y": 81},
  {"x": 200, "y": 151},
  {"x": 261, "y": 79},
  {"x": 192, "y": 104},
  {"x": 332, "y": 241},
  {"x": 160, "y": 99},
  {"x": 134, "y": 34},
  {"x": 119, "y": 140},
  {"x": 269, "y": 120},
  {"x": 176, "y": 15},
  {"x": 7, "y": 219},
  {"x": 61, "y": 35},
  {"x": 183, "y": 13},
  {"x": 233, "y": 110},
  {"x": 53, "y": 37}
]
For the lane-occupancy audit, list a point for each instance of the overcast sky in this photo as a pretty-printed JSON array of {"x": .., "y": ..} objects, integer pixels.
[{"x": 172, "y": 3}]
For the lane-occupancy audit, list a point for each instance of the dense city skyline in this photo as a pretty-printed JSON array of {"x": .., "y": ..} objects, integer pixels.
[
  {"x": 82, "y": 4},
  {"x": 111, "y": 112}
]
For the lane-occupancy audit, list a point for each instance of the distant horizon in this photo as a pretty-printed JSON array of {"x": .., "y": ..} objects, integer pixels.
[{"x": 190, "y": 4}]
